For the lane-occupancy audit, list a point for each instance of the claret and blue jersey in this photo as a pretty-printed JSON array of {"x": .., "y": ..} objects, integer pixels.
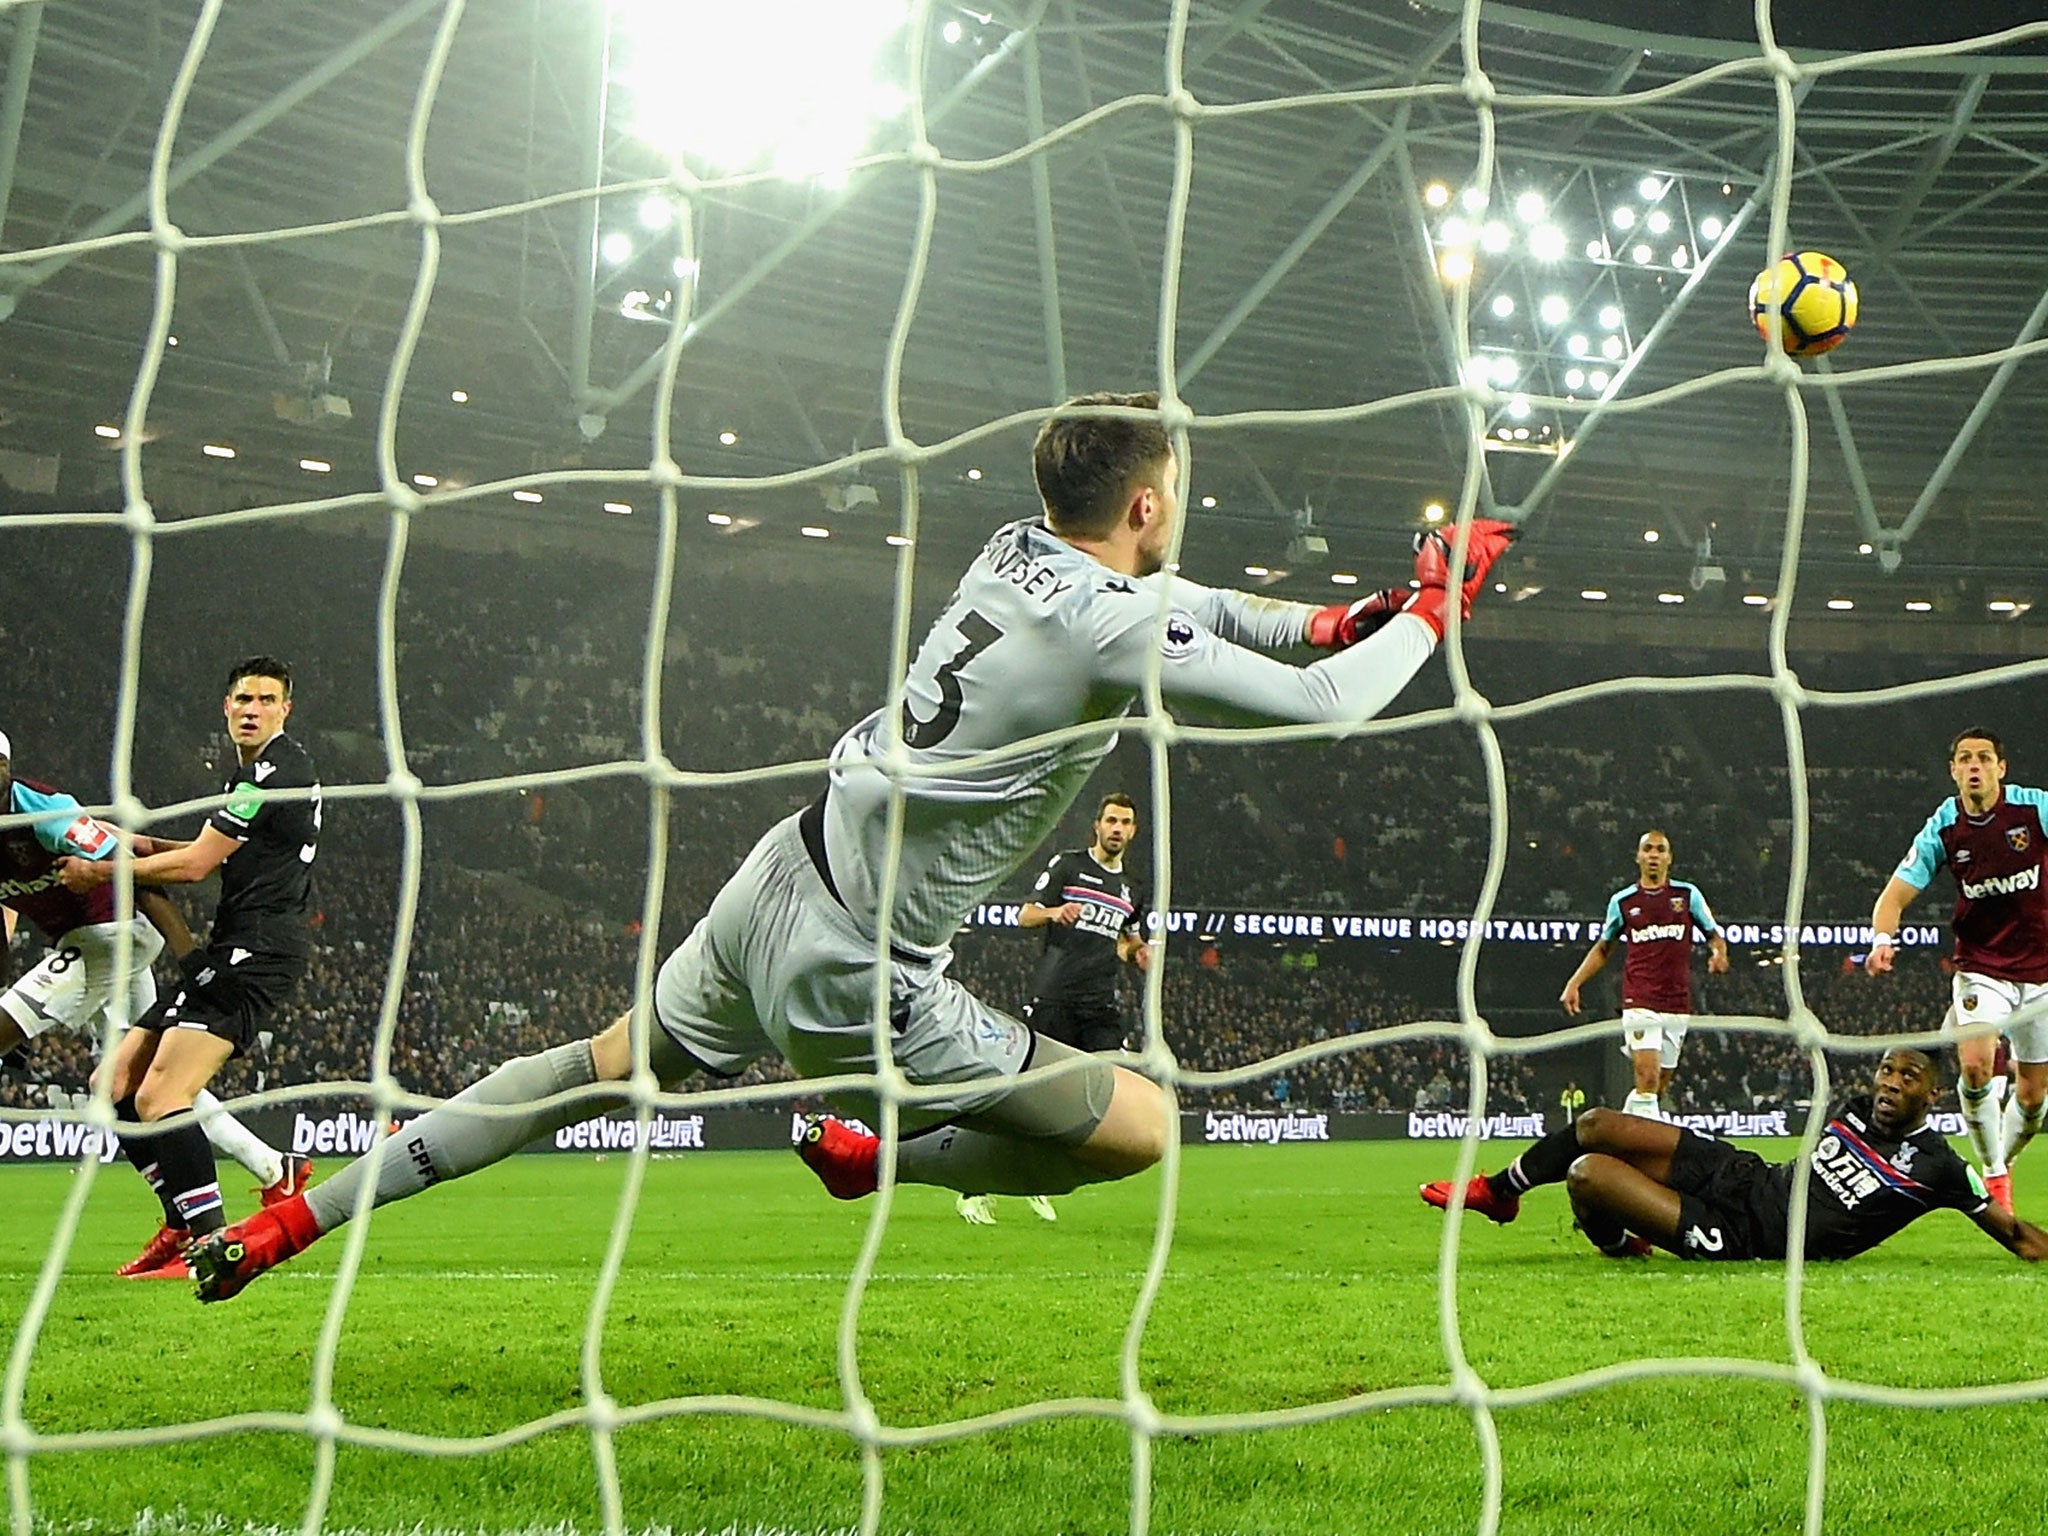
[
  {"x": 1657, "y": 922},
  {"x": 29, "y": 855},
  {"x": 2001, "y": 913}
]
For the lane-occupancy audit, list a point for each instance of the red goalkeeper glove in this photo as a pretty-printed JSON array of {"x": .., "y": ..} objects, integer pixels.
[{"x": 1345, "y": 624}]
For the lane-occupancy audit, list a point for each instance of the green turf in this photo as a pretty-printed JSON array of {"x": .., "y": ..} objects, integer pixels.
[{"x": 1298, "y": 1275}]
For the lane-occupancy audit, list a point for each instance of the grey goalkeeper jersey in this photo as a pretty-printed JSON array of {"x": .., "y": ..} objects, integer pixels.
[{"x": 1039, "y": 637}]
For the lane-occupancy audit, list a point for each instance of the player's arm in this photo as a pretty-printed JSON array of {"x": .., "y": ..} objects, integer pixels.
[
  {"x": 1035, "y": 913},
  {"x": 1717, "y": 941},
  {"x": 2022, "y": 1239},
  {"x": 181, "y": 865},
  {"x": 1912, "y": 877},
  {"x": 1262, "y": 623},
  {"x": 165, "y": 917},
  {"x": 1596, "y": 957}
]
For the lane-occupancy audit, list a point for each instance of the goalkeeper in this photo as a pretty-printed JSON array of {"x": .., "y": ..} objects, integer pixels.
[
  {"x": 1054, "y": 625},
  {"x": 1877, "y": 1168}
]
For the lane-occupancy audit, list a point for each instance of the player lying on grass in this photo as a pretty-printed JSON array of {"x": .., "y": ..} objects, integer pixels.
[
  {"x": 1055, "y": 624},
  {"x": 1877, "y": 1168}
]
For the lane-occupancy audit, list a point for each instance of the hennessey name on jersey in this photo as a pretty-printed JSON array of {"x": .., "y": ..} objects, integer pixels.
[{"x": 1037, "y": 579}]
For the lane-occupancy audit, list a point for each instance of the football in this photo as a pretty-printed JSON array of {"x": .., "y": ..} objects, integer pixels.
[{"x": 1816, "y": 302}]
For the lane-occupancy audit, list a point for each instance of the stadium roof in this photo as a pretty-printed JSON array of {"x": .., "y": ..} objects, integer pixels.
[{"x": 1309, "y": 278}]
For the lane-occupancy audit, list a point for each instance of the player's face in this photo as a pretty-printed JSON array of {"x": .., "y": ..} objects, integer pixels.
[
  {"x": 1977, "y": 768},
  {"x": 1653, "y": 858},
  {"x": 1905, "y": 1085},
  {"x": 1157, "y": 534},
  {"x": 1115, "y": 828},
  {"x": 256, "y": 709}
]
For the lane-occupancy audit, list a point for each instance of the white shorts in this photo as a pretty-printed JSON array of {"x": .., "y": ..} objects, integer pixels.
[
  {"x": 1978, "y": 999},
  {"x": 777, "y": 964},
  {"x": 73, "y": 984},
  {"x": 1645, "y": 1029}
]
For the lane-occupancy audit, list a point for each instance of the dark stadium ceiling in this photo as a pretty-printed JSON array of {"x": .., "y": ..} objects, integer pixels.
[{"x": 1309, "y": 277}]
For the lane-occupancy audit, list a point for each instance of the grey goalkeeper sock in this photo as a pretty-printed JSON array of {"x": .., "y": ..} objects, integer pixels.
[
  {"x": 980, "y": 1163},
  {"x": 446, "y": 1143}
]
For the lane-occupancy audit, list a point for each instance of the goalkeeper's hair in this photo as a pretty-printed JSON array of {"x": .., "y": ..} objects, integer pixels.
[
  {"x": 260, "y": 666},
  {"x": 1087, "y": 466},
  {"x": 1116, "y": 797},
  {"x": 1976, "y": 733}
]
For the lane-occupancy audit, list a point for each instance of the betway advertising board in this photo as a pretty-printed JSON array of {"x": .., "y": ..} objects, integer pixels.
[{"x": 332, "y": 1135}]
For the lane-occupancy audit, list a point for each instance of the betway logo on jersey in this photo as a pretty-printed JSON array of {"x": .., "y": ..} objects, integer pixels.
[
  {"x": 1445, "y": 1126},
  {"x": 1660, "y": 931},
  {"x": 1271, "y": 1129},
  {"x": 2027, "y": 879},
  {"x": 55, "y": 1140},
  {"x": 665, "y": 1133}
]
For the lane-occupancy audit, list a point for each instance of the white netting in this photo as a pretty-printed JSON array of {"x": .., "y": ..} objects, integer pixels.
[{"x": 1184, "y": 115}]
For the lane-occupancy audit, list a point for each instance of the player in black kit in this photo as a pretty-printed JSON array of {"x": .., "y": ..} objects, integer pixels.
[
  {"x": 1877, "y": 1168},
  {"x": 263, "y": 842},
  {"x": 1092, "y": 917}
]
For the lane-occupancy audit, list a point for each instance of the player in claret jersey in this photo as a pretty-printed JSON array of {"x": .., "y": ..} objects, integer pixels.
[
  {"x": 1656, "y": 916},
  {"x": 1990, "y": 834},
  {"x": 1636, "y": 1183}
]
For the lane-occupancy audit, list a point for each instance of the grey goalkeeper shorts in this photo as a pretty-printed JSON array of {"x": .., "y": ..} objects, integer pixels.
[{"x": 777, "y": 964}]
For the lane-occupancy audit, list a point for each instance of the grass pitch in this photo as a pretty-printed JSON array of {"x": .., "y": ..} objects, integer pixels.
[{"x": 1299, "y": 1276}]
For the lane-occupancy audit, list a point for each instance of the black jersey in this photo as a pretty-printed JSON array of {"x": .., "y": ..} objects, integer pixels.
[
  {"x": 266, "y": 885},
  {"x": 1866, "y": 1187},
  {"x": 1079, "y": 963}
]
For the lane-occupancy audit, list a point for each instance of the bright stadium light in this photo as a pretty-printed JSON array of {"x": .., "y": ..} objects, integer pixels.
[
  {"x": 425, "y": 482},
  {"x": 459, "y": 396},
  {"x": 1530, "y": 207},
  {"x": 1650, "y": 535},
  {"x": 1650, "y": 189},
  {"x": 1840, "y": 604},
  {"x": 1681, "y": 258},
  {"x": 656, "y": 212},
  {"x": 1257, "y": 570},
  {"x": 1554, "y": 310},
  {"x": 1658, "y": 222},
  {"x": 1593, "y": 595},
  {"x": 896, "y": 540},
  {"x": 616, "y": 248},
  {"x": 1436, "y": 194},
  {"x": 316, "y": 466},
  {"x": 1575, "y": 379},
  {"x": 1611, "y": 317},
  {"x": 1343, "y": 579},
  {"x": 1546, "y": 242},
  {"x": 531, "y": 498},
  {"x": 718, "y": 519},
  {"x": 974, "y": 474},
  {"x": 106, "y": 431},
  {"x": 1710, "y": 228},
  {"x": 1919, "y": 605},
  {"x": 1456, "y": 232},
  {"x": 217, "y": 450},
  {"x": 1506, "y": 371},
  {"x": 952, "y": 31},
  {"x": 1597, "y": 378},
  {"x": 1642, "y": 254},
  {"x": 1495, "y": 238},
  {"x": 1611, "y": 349},
  {"x": 728, "y": 437},
  {"x": 1472, "y": 200},
  {"x": 792, "y": 88},
  {"x": 1456, "y": 266},
  {"x": 1624, "y": 217},
  {"x": 1518, "y": 408},
  {"x": 622, "y": 508},
  {"x": 1596, "y": 250},
  {"x": 1503, "y": 306},
  {"x": 1670, "y": 599},
  {"x": 1576, "y": 345},
  {"x": 813, "y": 531},
  {"x": 1758, "y": 600},
  {"x": 1433, "y": 513}
]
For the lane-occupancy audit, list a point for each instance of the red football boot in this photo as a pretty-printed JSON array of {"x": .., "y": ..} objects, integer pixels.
[
  {"x": 841, "y": 1156},
  {"x": 225, "y": 1261},
  {"x": 168, "y": 1244},
  {"x": 1479, "y": 1196}
]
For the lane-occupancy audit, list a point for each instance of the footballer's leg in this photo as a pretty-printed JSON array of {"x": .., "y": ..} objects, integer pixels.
[
  {"x": 2024, "y": 1111},
  {"x": 1612, "y": 1198},
  {"x": 445, "y": 1143},
  {"x": 183, "y": 1062},
  {"x": 1646, "y": 1145},
  {"x": 1975, "y": 1000}
]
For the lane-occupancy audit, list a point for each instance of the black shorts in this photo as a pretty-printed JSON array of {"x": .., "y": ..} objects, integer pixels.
[
  {"x": 1729, "y": 1204},
  {"x": 227, "y": 992},
  {"x": 1084, "y": 1026}
]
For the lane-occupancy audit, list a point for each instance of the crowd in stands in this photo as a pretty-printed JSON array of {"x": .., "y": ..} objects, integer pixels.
[{"x": 531, "y": 893}]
